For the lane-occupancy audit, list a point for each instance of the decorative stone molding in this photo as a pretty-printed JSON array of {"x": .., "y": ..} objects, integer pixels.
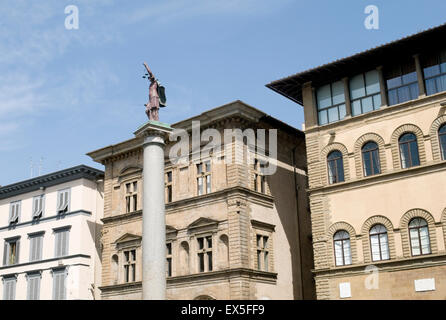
[
  {"x": 337, "y": 226},
  {"x": 323, "y": 160},
  {"x": 395, "y": 146},
  {"x": 404, "y": 228},
  {"x": 433, "y": 133},
  {"x": 358, "y": 154},
  {"x": 368, "y": 224},
  {"x": 443, "y": 224}
]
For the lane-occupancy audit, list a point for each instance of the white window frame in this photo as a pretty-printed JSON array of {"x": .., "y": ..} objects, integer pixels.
[
  {"x": 56, "y": 272},
  {"x": 131, "y": 264},
  {"x": 15, "y": 208},
  {"x": 204, "y": 177},
  {"x": 263, "y": 252},
  {"x": 130, "y": 196},
  {"x": 13, "y": 281},
  {"x": 38, "y": 206},
  {"x": 63, "y": 204},
  {"x": 7, "y": 248},
  {"x": 57, "y": 242},
  {"x": 205, "y": 252},
  {"x": 33, "y": 238},
  {"x": 30, "y": 293}
]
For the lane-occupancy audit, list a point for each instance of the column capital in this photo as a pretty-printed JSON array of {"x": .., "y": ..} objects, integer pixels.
[{"x": 154, "y": 129}]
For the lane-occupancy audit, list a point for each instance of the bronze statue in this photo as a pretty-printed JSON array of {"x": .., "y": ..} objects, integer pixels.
[{"x": 157, "y": 96}]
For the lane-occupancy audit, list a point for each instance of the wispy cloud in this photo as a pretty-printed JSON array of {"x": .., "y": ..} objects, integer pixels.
[{"x": 176, "y": 9}]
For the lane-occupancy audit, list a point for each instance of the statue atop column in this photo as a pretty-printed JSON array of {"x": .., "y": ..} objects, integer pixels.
[{"x": 157, "y": 96}]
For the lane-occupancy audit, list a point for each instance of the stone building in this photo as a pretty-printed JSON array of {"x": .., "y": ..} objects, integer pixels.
[
  {"x": 232, "y": 233},
  {"x": 375, "y": 128},
  {"x": 50, "y": 231}
]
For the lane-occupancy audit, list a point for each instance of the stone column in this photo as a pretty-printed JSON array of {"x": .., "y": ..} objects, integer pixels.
[{"x": 153, "y": 217}]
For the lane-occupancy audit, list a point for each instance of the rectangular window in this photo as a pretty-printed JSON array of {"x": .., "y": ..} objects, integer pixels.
[
  {"x": 38, "y": 204},
  {"x": 63, "y": 201},
  {"x": 259, "y": 178},
  {"x": 169, "y": 259},
  {"x": 434, "y": 69},
  {"x": 9, "y": 285},
  {"x": 35, "y": 247},
  {"x": 262, "y": 253},
  {"x": 168, "y": 184},
  {"x": 11, "y": 252},
  {"x": 59, "y": 284},
  {"x": 402, "y": 82},
  {"x": 131, "y": 196},
  {"x": 365, "y": 92},
  {"x": 14, "y": 211},
  {"x": 204, "y": 177},
  {"x": 204, "y": 253},
  {"x": 61, "y": 242},
  {"x": 130, "y": 265},
  {"x": 33, "y": 292},
  {"x": 331, "y": 103}
]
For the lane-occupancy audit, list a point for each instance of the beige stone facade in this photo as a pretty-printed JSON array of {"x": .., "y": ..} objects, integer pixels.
[
  {"x": 216, "y": 236},
  {"x": 392, "y": 197}
]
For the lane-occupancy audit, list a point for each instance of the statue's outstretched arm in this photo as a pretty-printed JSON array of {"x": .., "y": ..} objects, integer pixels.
[{"x": 148, "y": 70}]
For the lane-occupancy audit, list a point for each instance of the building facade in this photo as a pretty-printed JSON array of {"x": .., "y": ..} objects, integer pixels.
[
  {"x": 50, "y": 228},
  {"x": 375, "y": 127},
  {"x": 232, "y": 232}
]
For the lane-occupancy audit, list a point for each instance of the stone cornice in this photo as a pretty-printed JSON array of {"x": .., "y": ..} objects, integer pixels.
[
  {"x": 203, "y": 200},
  {"x": 392, "y": 265},
  {"x": 51, "y": 179},
  {"x": 206, "y": 277},
  {"x": 221, "y": 195}
]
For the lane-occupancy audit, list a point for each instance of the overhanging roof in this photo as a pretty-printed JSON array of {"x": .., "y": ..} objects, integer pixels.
[
  {"x": 51, "y": 179},
  {"x": 291, "y": 87}
]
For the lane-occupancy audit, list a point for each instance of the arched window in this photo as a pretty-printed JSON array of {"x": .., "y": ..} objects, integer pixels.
[
  {"x": 379, "y": 243},
  {"x": 442, "y": 138},
  {"x": 370, "y": 159},
  {"x": 335, "y": 167},
  {"x": 409, "y": 150},
  {"x": 419, "y": 237},
  {"x": 342, "y": 250}
]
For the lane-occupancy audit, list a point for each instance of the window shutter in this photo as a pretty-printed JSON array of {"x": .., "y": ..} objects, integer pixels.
[
  {"x": 59, "y": 201},
  {"x": 5, "y": 253},
  {"x": 57, "y": 244},
  {"x": 9, "y": 289},
  {"x": 39, "y": 248},
  {"x": 68, "y": 195},
  {"x": 32, "y": 248},
  {"x": 35, "y": 206},
  {"x": 37, "y": 287},
  {"x": 42, "y": 204},
  {"x": 17, "y": 251},
  {"x": 59, "y": 285},
  {"x": 65, "y": 243},
  {"x": 30, "y": 294},
  {"x": 33, "y": 287}
]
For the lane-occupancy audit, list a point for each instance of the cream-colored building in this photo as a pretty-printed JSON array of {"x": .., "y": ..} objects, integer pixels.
[
  {"x": 232, "y": 233},
  {"x": 50, "y": 230},
  {"x": 375, "y": 127}
]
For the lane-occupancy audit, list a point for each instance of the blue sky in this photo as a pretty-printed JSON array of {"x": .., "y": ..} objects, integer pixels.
[{"x": 64, "y": 92}]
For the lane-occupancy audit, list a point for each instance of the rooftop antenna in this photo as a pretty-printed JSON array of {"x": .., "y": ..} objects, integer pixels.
[
  {"x": 31, "y": 167},
  {"x": 40, "y": 166}
]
